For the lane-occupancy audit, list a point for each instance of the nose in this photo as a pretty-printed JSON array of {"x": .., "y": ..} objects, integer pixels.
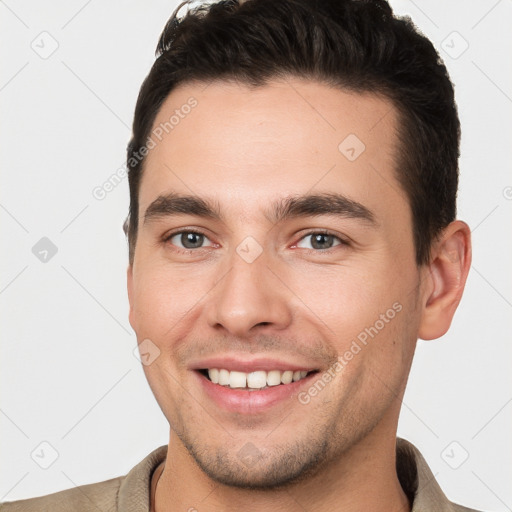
[{"x": 249, "y": 297}]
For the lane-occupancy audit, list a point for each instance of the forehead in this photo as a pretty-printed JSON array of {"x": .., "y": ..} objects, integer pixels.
[{"x": 244, "y": 146}]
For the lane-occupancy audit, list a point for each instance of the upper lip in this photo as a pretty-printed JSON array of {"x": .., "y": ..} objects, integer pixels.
[{"x": 250, "y": 365}]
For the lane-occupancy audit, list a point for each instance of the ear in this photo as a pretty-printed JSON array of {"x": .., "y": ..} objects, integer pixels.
[
  {"x": 446, "y": 277},
  {"x": 129, "y": 283}
]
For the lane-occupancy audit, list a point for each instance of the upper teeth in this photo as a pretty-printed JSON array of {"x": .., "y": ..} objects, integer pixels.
[{"x": 254, "y": 380}]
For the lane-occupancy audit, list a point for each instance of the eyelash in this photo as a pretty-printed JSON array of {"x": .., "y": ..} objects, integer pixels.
[
  {"x": 343, "y": 242},
  {"x": 179, "y": 249}
]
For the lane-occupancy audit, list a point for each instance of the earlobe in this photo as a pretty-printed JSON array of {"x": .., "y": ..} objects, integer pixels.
[{"x": 447, "y": 273}]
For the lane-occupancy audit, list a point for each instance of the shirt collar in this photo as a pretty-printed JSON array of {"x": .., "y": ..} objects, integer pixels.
[{"x": 416, "y": 479}]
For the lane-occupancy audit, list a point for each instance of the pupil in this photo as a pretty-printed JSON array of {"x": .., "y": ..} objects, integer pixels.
[
  {"x": 191, "y": 240},
  {"x": 322, "y": 241}
]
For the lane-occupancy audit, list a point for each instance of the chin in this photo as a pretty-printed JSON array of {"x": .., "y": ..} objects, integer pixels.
[{"x": 249, "y": 468}]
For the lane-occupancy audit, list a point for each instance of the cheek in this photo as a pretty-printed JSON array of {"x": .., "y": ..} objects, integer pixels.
[
  {"x": 164, "y": 297},
  {"x": 164, "y": 383},
  {"x": 347, "y": 299},
  {"x": 369, "y": 318}
]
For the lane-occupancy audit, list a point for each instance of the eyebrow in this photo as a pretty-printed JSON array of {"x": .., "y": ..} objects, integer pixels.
[
  {"x": 311, "y": 205},
  {"x": 308, "y": 205},
  {"x": 177, "y": 204}
]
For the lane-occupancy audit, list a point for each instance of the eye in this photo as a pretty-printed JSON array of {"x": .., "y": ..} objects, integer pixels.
[
  {"x": 320, "y": 241},
  {"x": 188, "y": 240}
]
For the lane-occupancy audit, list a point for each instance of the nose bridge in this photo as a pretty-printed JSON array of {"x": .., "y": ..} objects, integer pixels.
[{"x": 249, "y": 294}]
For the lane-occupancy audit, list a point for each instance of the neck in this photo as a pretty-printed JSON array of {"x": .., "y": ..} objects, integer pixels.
[{"x": 365, "y": 478}]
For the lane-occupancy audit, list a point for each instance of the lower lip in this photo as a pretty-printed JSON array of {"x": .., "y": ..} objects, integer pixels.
[{"x": 251, "y": 402}]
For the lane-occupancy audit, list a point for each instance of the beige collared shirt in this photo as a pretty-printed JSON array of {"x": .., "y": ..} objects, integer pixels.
[{"x": 131, "y": 493}]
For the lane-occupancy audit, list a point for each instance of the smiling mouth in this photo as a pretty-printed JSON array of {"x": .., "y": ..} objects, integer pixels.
[{"x": 253, "y": 381}]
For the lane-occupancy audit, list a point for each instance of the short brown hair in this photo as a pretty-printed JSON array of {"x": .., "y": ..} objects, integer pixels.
[{"x": 355, "y": 45}]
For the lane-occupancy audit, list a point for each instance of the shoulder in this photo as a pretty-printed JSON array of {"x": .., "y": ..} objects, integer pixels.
[
  {"x": 460, "y": 508},
  {"x": 128, "y": 492},
  {"x": 84, "y": 498},
  {"x": 419, "y": 483}
]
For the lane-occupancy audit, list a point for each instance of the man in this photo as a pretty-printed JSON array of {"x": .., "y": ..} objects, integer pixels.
[{"x": 292, "y": 233}]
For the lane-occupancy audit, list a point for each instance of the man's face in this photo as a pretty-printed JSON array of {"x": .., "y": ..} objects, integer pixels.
[{"x": 273, "y": 281}]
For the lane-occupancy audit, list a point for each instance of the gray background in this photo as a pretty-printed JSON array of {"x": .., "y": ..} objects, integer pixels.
[{"x": 69, "y": 379}]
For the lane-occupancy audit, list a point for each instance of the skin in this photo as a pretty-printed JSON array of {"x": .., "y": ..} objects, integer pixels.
[{"x": 244, "y": 149}]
